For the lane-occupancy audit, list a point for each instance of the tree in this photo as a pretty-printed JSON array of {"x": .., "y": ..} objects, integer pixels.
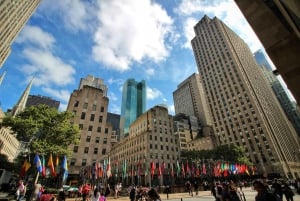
[
  {"x": 5, "y": 164},
  {"x": 231, "y": 153},
  {"x": 45, "y": 129}
]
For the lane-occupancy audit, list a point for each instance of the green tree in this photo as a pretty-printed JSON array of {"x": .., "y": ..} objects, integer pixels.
[{"x": 45, "y": 129}]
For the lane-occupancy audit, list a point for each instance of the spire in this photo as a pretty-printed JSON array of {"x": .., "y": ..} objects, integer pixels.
[
  {"x": 20, "y": 106},
  {"x": 2, "y": 77}
]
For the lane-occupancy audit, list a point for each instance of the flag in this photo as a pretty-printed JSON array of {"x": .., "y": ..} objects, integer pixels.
[
  {"x": 43, "y": 167},
  {"x": 65, "y": 168},
  {"x": 172, "y": 171},
  {"x": 163, "y": 167},
  {"x": 182, "y": 170},
  {"x": 203, "y": 168},
  {"x": 159, "y": 170},
  {"x": 124, "y": 168},
  {"x": 152, "y": 167},
  {"x": 25, "y": 167},
  {"x": 188, "y": 171},
  {"x": 51, "y": 166},
  {"x": 108, "y": 168},
  {"x": 56, "y": 164},
  {"x": 37, "y": 162},
  {"x": 116, "y": 168},
  {"x": 178, "y": 168}
]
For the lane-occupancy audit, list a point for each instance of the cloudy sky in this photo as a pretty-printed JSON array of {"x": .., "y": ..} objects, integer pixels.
[{"x": 113, "y": 40}]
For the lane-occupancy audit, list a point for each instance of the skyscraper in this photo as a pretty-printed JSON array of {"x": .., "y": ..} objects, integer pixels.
[
  {"x": 89, "y": 104},
  {"x": 289, "y": 106},
  {"x": 277, "y": 25},
  {"x": 13, "y": 16},
  {"x": 244, "y": 110},
  {"x": 133, "y": 103}
]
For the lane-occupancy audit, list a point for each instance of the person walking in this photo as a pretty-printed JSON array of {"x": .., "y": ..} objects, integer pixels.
[
  {"x": 96, "y": 195},
  {"x": 153, "y": 195},
  {"x": 21, "y": 191},
  {"x": 263, "y": 194}
]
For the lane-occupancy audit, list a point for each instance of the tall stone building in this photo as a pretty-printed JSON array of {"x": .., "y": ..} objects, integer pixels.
[
  {"x": 89, "y": 103},
  {"x": 151, "y": 139},
  {"x": 13, "y": 16},
  {"x": 277, "y": 25},
  {"x": 289, "y": 106},
  {"x": 34, "y": 100},
  {"x": 244, "y": 110},
  {"x": 133, "y": 103}
]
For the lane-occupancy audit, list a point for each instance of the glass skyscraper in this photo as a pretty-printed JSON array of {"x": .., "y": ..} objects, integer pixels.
[{"x": 133, "y": 103}]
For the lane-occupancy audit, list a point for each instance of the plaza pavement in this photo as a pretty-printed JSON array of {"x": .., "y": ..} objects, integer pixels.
[{"x": 202, "y": 196}]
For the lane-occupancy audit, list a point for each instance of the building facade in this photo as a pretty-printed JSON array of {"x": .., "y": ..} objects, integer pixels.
[
  {"x": 133, "y": 103},
  {"x": 242, "y": 105},
  {"x": 151, "y": 139},
  {"x": 34, "y": 100},
  {"x": 13, "y": 16},
  {"x": 89, "y": 103},
  {"x": 189, "y": 99},
  {"x": 289, "y": 106},
  {"x": 277, "y": 25}
]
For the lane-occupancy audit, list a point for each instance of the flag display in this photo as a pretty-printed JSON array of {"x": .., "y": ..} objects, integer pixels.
[
  {"x": 37, "y": 162},
  {"x": 25, "y": 167},
  {"x": 65, "y": 168},
  {"x": 51, "y": 166},
  {"x": 43, "y": 167},
  {"x": 108, "y": 168}
]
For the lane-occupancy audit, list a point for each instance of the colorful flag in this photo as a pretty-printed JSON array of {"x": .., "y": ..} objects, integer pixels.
[
  {"x": 172, "y": 170},
  {"x": 182, "y": 170},
  {"x": 159, "y": 170},
  {"x": 65, "y": 168},
  {"x": 152, "y": 167},
  {"x": 188, "y": 170},
  {"x": 43, "y": 167},
  {"x": 203, "y": 168},
  {"x": 178, "y": 168},
  {"x": 51, "y": 166},
  {"x": 108, "y": 168},
  {"x": 37, "y": 162},
  {"x": 25, "y": 167},
  {"x": 163, "y": 167},
  {"x": 124, "y": 168},
  {"x": 56, "y": 164}
]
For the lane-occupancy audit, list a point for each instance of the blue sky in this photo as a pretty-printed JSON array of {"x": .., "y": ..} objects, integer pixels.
[{"x": 114, "y": 40}]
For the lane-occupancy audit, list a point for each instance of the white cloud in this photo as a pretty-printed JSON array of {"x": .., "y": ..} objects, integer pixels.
[
  {"x": 171, "y": 109},
  {"x": 75, "y": 14},
  {"x": 112, "y": 96},
  {"x": 115, "y": 108},
  {"x": 36, "y": 36},
  {"x": 153, "y": 93},
  {"x": 188, "y": 30},
  {"x": 47, "y": 68},
  {"x": 150, "y": 71},
  {"x": 226, "y": 10},
  {"x": 123, "y": 38},
  {"x": 63, "y": 95}
]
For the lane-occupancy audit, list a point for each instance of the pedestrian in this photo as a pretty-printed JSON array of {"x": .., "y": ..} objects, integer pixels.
[
  {"x": 107, "y": 190},
  {"x": 276, "y": 188},
  {"x": 189, "y": 187},
  {"x": 21, "y": 191},
  {"x": 132, "y": 194},
  {"x": 102, "y": 197},
  {"x": 196, "y": 187},
  {"x": 263, "y": 194},
  {"x": 218, "y": 191},
  {"x": 288, "y": 193},
  {"x": 153, "y": 195},
  {"x": 167, "y": 191},
  {"x": 96, "y": 195}
]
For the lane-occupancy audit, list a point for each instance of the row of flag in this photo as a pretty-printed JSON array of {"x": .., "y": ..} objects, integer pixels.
[
  {"x": 106, "y": 169},
  {"x": 39, "y": 163}
]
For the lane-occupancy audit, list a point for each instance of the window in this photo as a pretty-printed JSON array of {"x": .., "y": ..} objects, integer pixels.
[
  {"x": 92, "y": 117},
  {"x": 96, "y": 151},
  {"x": 99, "y": 129},
  {"x": 86, "y": 150},
  {"x": 85, "y": 105},
  {"x": 100, "y": 119},
  {"x": 105, "y": 141},
  {"x": 80, "y": 126},
  {"x": 82, "y": 115},
  {"x": 90, "y": 128},
  {"x": 97, "y": 139},
  {"x": 73, "y": 161},
  {"x": 106, "y": 130},
  {"x": 103, "y": 151},
  {"x": 88, "y": 138},
  {"x": 75, "y": 149},
  {"x": 102, "y": 109},
  {"x": 83, "y": 163},
  {"x": 94, "y": 107},
  {"x": 76, "y": 103}
]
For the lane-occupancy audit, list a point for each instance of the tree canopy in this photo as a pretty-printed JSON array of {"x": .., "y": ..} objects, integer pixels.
[
  {"x": 44, "y": 129},
  {"x": 228, "y": 153}
]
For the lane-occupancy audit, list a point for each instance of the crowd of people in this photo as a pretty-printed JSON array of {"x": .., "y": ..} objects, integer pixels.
[{"x": 275, "y": 190}]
